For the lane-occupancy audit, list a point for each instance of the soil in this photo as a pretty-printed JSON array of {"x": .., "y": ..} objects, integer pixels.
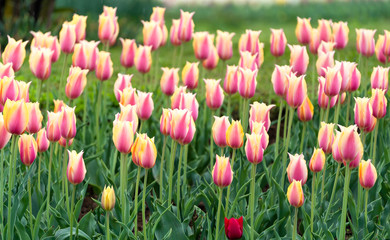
[{"x": 88, "y": 203}]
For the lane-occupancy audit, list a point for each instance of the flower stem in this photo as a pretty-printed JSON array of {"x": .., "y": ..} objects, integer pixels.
[
  {"x": 278, "y": 128},
  {"x": 12, "y": 171},
  {"x": 294, "y": 236},
  {"x": 108, "y": 225},
  {"x": 136, "y": 202},
  {"x": 180, "y": 55},
  {"x": 62, "y": 89},
  {"x": 365, "y": 208},
  {"x": 141, "y": 126},
  {"x": 171, "y": 167},
  {"x": 185, "y": 167},
  {"x": 345, "y": 201},
  {"x": 178, "y": 185},
  {"x": 336, "y": 115},
  {"x": 229, "y": 105},
  {"x": 245, "y": 115},
  {"x": 97, "y": 115},
  {"x": 30, "y": 203},
  {"x": 85, "y": 117},
  {"x": 302, "y": 137},
  {"x": 64, "y": 180},
  {"x": 39, "y": 89},
  {"x": 1, "y": 188},
  {"x": 218, "y": 213},
  {"x": 211, "y": 145},
  {"x": 39, "y": 172},
  {"x": 348, "y": 106},
  {"x": 313, "y": 200},
  {"x": 323, "y": 181},
  {"x": 162, "y": 167},
  {"x": 71, "y": 216},
  {"x": 49, "y": 188},
  {"x": 227, "y": 213},
  {"x": 291, "y": 116},
  {"x": 375, "y": 140},
  {"x": 327, "y": 110},
  {"x": 252, "y": 200},
  {"x": 333, "y": 191},
  {"x": 144, "y": 203},
  {"x": 123, "y": 184}
]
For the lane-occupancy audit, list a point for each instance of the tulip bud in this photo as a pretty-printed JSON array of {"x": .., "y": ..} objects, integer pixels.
[
  {"x": 53, "y": 126},
  {"x": 16, "y": 117},
  {"x": 85, "y": 55},
  {"x": 186, "y": 26},
  {"x": 129, "y": 48},
  {"x": 176, "y": 97},
  {"x": 144, "y": 152},
  {"x": 314, "y": 41},
  {"x": 67, "y": 122},
  {"x": 305, "y": 110},
  {"x": 76, "y": 82},
  {"x": 123, "y": 81},
  {"x": 380, "y": 48},
  {"x": 80, "y": 23},
  {"x": 188, "y": 101},
  {"x": 323, "y": 99},
  {"x": 278, "y": 42},
  {"x": 190, "y": 133},
  {"x": 123, "y": 136},
  {"x": 248, "y": 60},
  {"x": 169, "y": 80},
  {"x": 128, "y": 96},
  {"x": 23, "y": 91},
  {"x": 380, "y": 78},
  {"x": 174, "y": 32},
  {"x": 222, "y": 172},
  {"x": 9, "y": 90},
  {"x": 152, "y": 34},
  {"x": 108, "y": 198},
  {"x": 158, "y": 15},
  {"x": 346, "y": 69},
  {"x": 219, "y": 130},
  {"x": 235, "y": 135},
  {"x": 332, "y": 81},
  {"x": 324, "y": 61},
  {"x": 349, "y": 144},
  {"x": 143, "y": 59},
  {"x": 214, "y": 94},
  {"x": 335, "y": 147},
  {"x": 4, "y": 134},
  {"x": 58, "y": 104},
  {"x": 247, "y": 84},
  {"x": 40, "y": 62},
  {"x": 297, "y": 91},
  {"x": 108, "y": 26},
  {"x": 365, "y": 42},
  {"x": 190, "y": 75},
  {"x": 299, "y": 59},
  {"x": 340, "y": 34},
  {"x": 76, "y": 168},
  {"x": 378, "y": 102},
  {"x": 104, "y": 67},
  {"x": 202, "y": 44},
  {"x": 65, "y": 142},
  {"x": 280, "y": 80},
  {"x": 326, "y": 137},
  {"x": 14, "y": 53},
  {"x": 232, "y": 77},
  {"x": 42, "y": 141},
  {"x": 253, "y": 148},
  {"x": 27, "y": 149},
  {"x": 326, "y": 46},
  {"x": 295, "y": 194},
  {"x": 317, "y": 160},
  {"x": 224, "y": 45},
  {"x": 180, "y": 124},
  {"x": 234, "y": 228},
  {"x": 35, "y": 117},
  {"x": 67, "y": 37},
  {"x": 324, "y": 29},
  {"x": 145, "y": 105},
  {"x": 165, "y": 122},
  {"x": 303, "y": 30},
  {"x": 386, "y": 43},
  {"x": 45, "y": 40},
  {"x": 259, "y": 112},
  {"x": 259, "y": 129},
  {"x": 367, "y": 174},
  {"x": 297, "y": 169},
  {"x": 212, "y": 60},
  {"x": 128, "y": 113},
  {"x": 364, "y": 118},
  {"x": 249, "y": 41},
  {"x": 6, "y": 70},
  {"x": 259, "y": 54}
]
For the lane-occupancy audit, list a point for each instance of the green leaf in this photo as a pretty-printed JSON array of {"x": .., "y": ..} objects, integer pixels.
[
  {"x": 88, "y": 224},
  {"x": 169, "y": 222},
  {"x": 64, "y": 233}
]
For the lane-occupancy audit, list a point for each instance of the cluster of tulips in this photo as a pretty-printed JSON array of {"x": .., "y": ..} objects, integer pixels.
[{"x": 21, "y": 120}]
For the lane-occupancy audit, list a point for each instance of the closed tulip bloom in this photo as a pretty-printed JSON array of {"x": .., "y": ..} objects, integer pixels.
[
  {"x": 186, "y": 26},
  {"x": 380, "y": 78},
  {"x": 40, "y": 62},
  {"x": 14, "y": 53},
  {"x": 280, "y": 80},
  {"x": 232, "y": 77},
  {"x": 211, "y": 61},
  {"x": 248, "y": 60},
  {"x": 259, "y": 112},
  {"x": 259, "y": 128},
  {"x": 354, "y": 82},
  {"x": 326, "y": 46},
  {"x": 104, "y": 69},
  {"x": 365, "y": 42},
  {"x": 108, "y": 26},
  {"x": 190, "y": 133},
  {"x": 158, "y": 15},
  {"x": 190, "y": 75},
  {"x": 76, "y": 167},
  {"x": 15, "y": 114},
  {"x": 249, "y": 41},
  {"x": 325, "y": 30},
  {"x": 45, "y": 40},
  {"x": 224, "y": 45},
  {"x": 27, "y": 149},
  {"x": 253, "y": 148},
  {"x": 188, "y": 101},
  {"x": 219, "y": 129},
  {"x": 123, "y": 136},
  {"x": 386, "y": 43},
  {"x": 23, "y": 90},
  {"x": 346, "y": 69},
  {"x": 67, "y": 122},
  {"x": 123, "y": 81},
  {"x": 144, "y": 152},
  {"x": 165, "y": 122},
  {"x": 108, "y": 198},
  {"x": 349, "y": 143},
  {"x": 176, "y": 97},
  {"x": 85, "y": 55},
  {"x": 234, "y": 228},
  {"x": 42, "y": 142},
  {"x": 80, "y": 23},
  {"x": 297, "y": 169},
  {"x": 143, "y": 59},
  {"x": 5, "y": 135},
  {"x": 35, "y": 117},
  {"x": 235, "y": 135},
  {"x": 378, "y": 102},
  {"x": 303, "y": 30},
  {"x": 129, "y": 96},
  {"x": 335, "y": 147},
  {"x": 364, "y": 117},
  {"x": 260, "y": 54},
  {"x": 58, "y": 104},
  {"x": 295, "y": 194},
  {"x": 53, "y": 126},
  {"x": 76, "y": 82},
  {"x": 169, "y": 80},
  {"x": 332, "y": 81},
  {"x": 306, "y": 110},
  {"x": 128, "y": 113},
  {"x": 356, "y": 161},
  {"x": 6, "y": 70},
  {"x": 367, "y": 174},
  {"x": 247, "y": 84},
  {"x": 152, "y": 34},
  {"x": 278, "y": 42},
  {"x": 67, "y": 37},
  {"x": 326, "y": 137},
  {"x": 324, "y": 61},
  {"x": 214, "y": 94},
  {"x": 145, "y": 105},
  {"x": 9, "y": 89},
  {"x": 202, "y": 44},
  {"x": 340, "y": 34},
  {"x": 314, "y": 41},
  {"x": 65, "y": 142},
  {"x": 297, "y": 91},
  {"x": 174, "y": 32},
  {"x": 181, "y": 122},
  {"x": 129, "y": 48},
  {"x": 317, "y": 160},
  {"x": 299, "y": 59},
  {"x": 222, "y": 172},
  {"x": 380, "y": 49}
]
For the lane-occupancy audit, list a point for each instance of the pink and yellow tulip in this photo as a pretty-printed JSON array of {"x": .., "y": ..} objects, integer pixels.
[
  {"x": 85, "y": 55},
  {"x": 278, "y": 42},
  {"x": 104, "y": 66},
  {"x": 35, "y": 117},
  {"x": 42, "y": 142},
  {"x": 326, "y": 137},
  {"x": 15, "y": 114},
  {"x": 14, "y": 53},
  {"x": 219, "y": 130},
  {"x": 143, "y": 59},
  {"x": 123, "y": 81},
  {"x": 152, "y": 34},
  {"x": 364, "y": 117},
  {"x": 295, "y": 194},
  {"x": 365, "y": 42},
  {"x": 367, "y": 174},
  {"x": 235, "y": 135},
  {"x": 123, "y": 136},
  {"x": 378, "y": 102},
  {"x": 145, "y": 105},
  {"x": 297, "y": 169},
  {"x": 317, "y": 160},
  {"x": 299, "y": 59},
  {"x": 340, "y": 34},
  {"x": 303, "y": 30},
  {"x": 144, "y": 152},
  {"x": 305, "y": 110},
  {"x": 296, "y": 91},
  {"x": 27, "y": 149},
  {"x": 224, "y": 45},
  {"x": 190, "y": 75},
  {"x": 214, "y": 94},
  {"x": 76, "y": 167},
  {"x": 169, "y": 80},
  {"x": 247, "y": 84},
  {"x": 76, "y": 82},
  {"x": 259, "y": 112},
  {"x": 129, "y": 48},
  {"x": 222, "y": 172},
  {"x": 67, "y": 37}
]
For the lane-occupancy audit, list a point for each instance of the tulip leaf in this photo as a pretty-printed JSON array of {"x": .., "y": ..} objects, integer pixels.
[{"x": 169, "y": 222}]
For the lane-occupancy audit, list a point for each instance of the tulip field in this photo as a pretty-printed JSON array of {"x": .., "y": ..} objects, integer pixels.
[{"x": 198, "y": 126}]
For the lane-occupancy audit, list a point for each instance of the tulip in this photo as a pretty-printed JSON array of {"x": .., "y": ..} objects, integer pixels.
[
  {"x": 314, "y": 41},
  {"x": 280, "y": 80},
  {"x": 129, "y": 48},
  {"x": 378, "y": 101},
  {"x": 67, "y": 122},
  {"x": 169, "y": 80},
  {"x": 299, "y": 59},
  {"x": 9, "y": 89},
  {"x": 335, "y": 147},
  {"x": 323, "y": 99},
  {"x": 303, "y": 30},
  {"x": 35, "y": 117},
  {"x": 340, "y": 34},
  {"x": 214, "y": 94},
  {"x": 180, "y": 124},
  {"x": 174, "y": 32},
  {"x": 212, "y": 60},
  {"x": 190, "y": 75},
  {"x": 235, "y": 135},
  {"x": 259, "y": 112},
  {"x": 104, "y": 69},
  {"x": 6, "y": 70},
  {"x": 278, "y": 42},
  {"x": 5, "y": 135},
  {"x": 42, "y": 142},
  {"x": 325, "y": 30},
  {"x": 386, "y": 43},
  {"x": 295, "y": 194},
  {"x": 165, "y": 122},
  {"x": 234, "y": 228},
  {"x": 317, "y": 160},
  {"x": 365, "y": 42},
  {"x": 143, "y": 59},
  {"x": 253, "y": 148},
  {"x": 248, "y": 60},
  {"x": 152, "y": 34},
  {"x": 108, "y": 26},
  {"x": 380, "y": 49},
  {"x": 128, "y": 96},
  {"x": 202, "y": 44},
  {"x": 128, "y": 113},
  {"x": 297, "y": 169},
  {"x": 349, "y": 144},
  {"x": 305, "y": 110},
  {"x": 14, "y": 53},
  {"x": 364, "y": 117},
  {"x": 27, "y": 149},
  {"x": 58, "y": 104},
  {"x": 326, "y": 137},
  {"x": 65, "y": 142},
  {"x": 324, "y": 61},
  {"x": 123, "y": 81},
  {"x": 76, "y": 168},
  {"x": 219, "y": 130},
  {"x": 158, "y": 15},
  {"x": 123, "y": 136},
  {"x": 249, "y": 41},
  {"x": 16, "y": 117},
  {"x": 85, "y": 55},
  {"x": 53, "y": 126},
  {"x": 367, "y": 174},
  {"x": 224, "y": 45},
  {"x": 332, "y": 81},
  {"x": 80, "y": 23},
  {"x": 232, "y": 77},
  {"x": 346, "y": 69},
  {"x": 380, "y": 78},
  {"x": 247, "y": 84},
  {"x": 190, "y": 133},
  {"x": 354, "y": 83},
  {"x": 23, "y": 91},
  {"x": 260, "y": 54},
  {"x": 145, "y": 105},
  {"x": 222, "y": 172},
  {"x": 186, "y": 26},
  {"x": 176, "y": 97},
  {"x": 67, "y": 37},
  {"x": 259, "y": 128},
  {"x": 188, "y": 101},
  {"x": 297, "y": 91},
  {"x": 45, "y": 40},
  {"x": 108, "y": 198},
  {"x": 76, "y": 82},
  {"x": 144, "y": 152}
]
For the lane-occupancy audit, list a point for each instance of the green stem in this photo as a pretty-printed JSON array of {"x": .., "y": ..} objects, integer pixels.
[
  {"x": 30, "y": 203},
  {"x": 313, "y": 199},
  {"x": 372, "y": 139},
  {"x": 333, "y": 191},
  {"x": 156, "y": 66},
  {"x": 178, "y": 185},
  {"x": 360, "y": 197},
  {"x": 71, "y": 216},
  {"x": 227, "y": 213},
  {"x": 162, "y": 168},
  {"x": 229, "y": 105},
  {"x": 123, "y": 186},
  {"x": 313, "y": 71},
  {"x": 291, "y": 116},
  {"x": 180, "y": 55},
  {"x": 39, "y": 172},
  {"x": 245, "y": 115},
  {"x": 174, "y": 55},
  {"x": 1, "y": 188},
  {"x": 327, "y": 110},
  {"x": 294, "y": 236},
  {"x": 285, "y": 126},
  {"x": 323, "y": 181},
  {"x": 62, "y": 89},
  {"x": 136, "y": 202},
  {"x": 49, "y": 188},
  {"x": 375, "y": 140},
  {"x": 211, "y": 144},
  {"x": 185, "y": 167},
  {"x": 64, "y": 180},
  {"x": 144, "y": 203},
  {"x": 252, "y": 200},
  {"x": 336, "y": 115},
  {"x": 348, "y": 106},
  {"x": 12, "y": 172},
  {"x": 365, "y": 208},
  {"x": 345, "y": 201},
  {"x": 108, "y": 225},
  {"x": 85, "y": 117},
  {"x": 141, "y": 126},
  {"x": 302, "y": 137},
  {"x": 218, "y": 213},
  {"x": 278, "y": 128},
  {"x": 171, "y": 167},
  {"x": 97, "y": 115},
  {"x": 321, "y": 116},
  {"x": 39, "y": 89}
]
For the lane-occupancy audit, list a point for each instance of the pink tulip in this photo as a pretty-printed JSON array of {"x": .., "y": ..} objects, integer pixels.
[
  {"x": 129, "y": 48},
  {"x": 259, "y": 112},
  {"x": 129, "y": 96},
  {"x": 247, "y": 60},
  {"x": 27, "y": 149},
  {"x": 176, "y": 97},
  {"x": 108, "y": 26},
  {"x": 67, "y": 122},
  {"x": 354, "y": 82},
  {"x": 24, "y": 91},
  {"x": 367, "y": 174},
  {"x": 365, "y": 42},
  {"x": 378, "y": 102},
  {"x": 259, "y": 128},
  {"x": 76, "y": 82},
  {"x": 364, "y": 117},
  {"x": 42, "y": 142},
  {"x": 104, "y": 66},
  {"x": 202, "y": 44},
  {"x": 182, "y": 125},
  {"x": 80, "y": 23},
  {"x": 85, "y": 55},
  {"x": 235, "y": 135},
  {"x": 188, "y": 101},
  {"x": 219, "y": 129},
  {"x": 253, "y": 148},
  {"x": 324, "y": 61},
  {"x": 249, "y": 41},
  {"x": 214, "y": 94},
  {"x": 76, "y": 167},
  {"x": 169, "y": 80},
  {"x": 280, "y": 80},
  {"x": 143, "y": 59},
  {"x": 299, "y": 59},
  {"x": 346, "y": 69},
  {"x": 306, "y": 110},
  {"x": 128, "y": 113},
  {"x": 247, "y": 84},
  {"x": 5, "y": 135},
  {"x": 45, "y": 40},
  {"x": 303, "y": 30},
  {"x": 297, "y": 169},
  {"x": 295, "y": 195},
  {"x": 350, "y": 144},
  {"x": 326, "y": 46},
  {"x": 15, "y": 116},
  {"x": 332, "y": 81},
  {"x": 380, "y": 48},
  {"x": 297, "y": 90},
  {"x": 380, "y": 78},
  {"x": 224, "y": 45},
  {"x": 53, "y": 126},
  {"x": 6, "y": 70},
  {"x": 340, "y": 34},
  {"x": 145, "y": 105},
  {"x": 324, "y": 29},
  {"x": 314, "y": 41},
  {"x": 123, "y": 81},
  {"x": 58, "y": 104},
  {"x": 165, "y": 122},
  {"x": 317, "y": 160},
  {"x": 190, "y": 75},
  {"x": 186, "y": 26},
  {"x": 14, "y": 53},
  {"x": 40, "y": 62},
  {"x": 34, "y": 117},
  {"x": 174, "y": 33},
  {"x": 222, "y": 172},
  {"x": 152, "y": 34},
  {"x": 232, "y": 77},
  {"x": 326, "y": 137},
  {"x": 212, "y": 60},
  {"x": 67, "y": 37},
  {"x": 335, "y": 146},
  {"x": 123, "y": 136},
  {"x": 9, "y": 89},
  {"x": 144, "y": 152},
  {"x": 278, "y": 42}
]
